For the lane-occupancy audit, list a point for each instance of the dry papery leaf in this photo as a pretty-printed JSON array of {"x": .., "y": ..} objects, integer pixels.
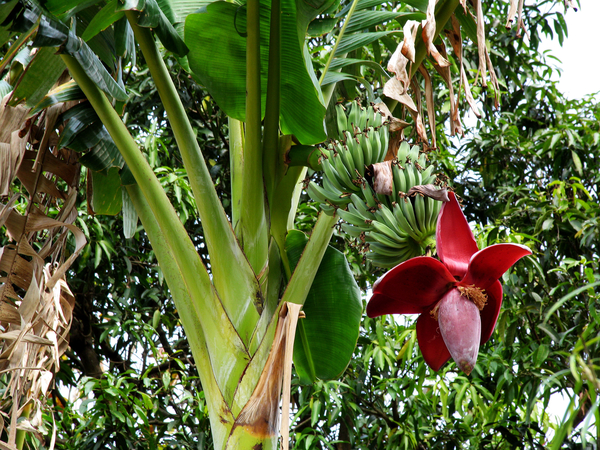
[
  {"x": 261, "y": 413},
  {"x": 383, "y": 180},
  {"x": 36, "y": 304},
  {"x": 428, "y": 35},
  {"x": 431, "y": 191}
]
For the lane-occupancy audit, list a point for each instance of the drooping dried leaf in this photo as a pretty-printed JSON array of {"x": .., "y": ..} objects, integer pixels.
[
  {"x": 393, "y": 89},
  {"x": 260, "y": 415},
  {"x": 410, "y": 30},
  {"x": 382, "y": 177},
  {"x": 36, "y": 305},
  {"x": 494, "y": 81},
  {"x": 397, "y": 65},
  {"x": 431, "y": 191},
  {"x": 430, "y": 103},
  {"x": 455, "y": 125},
  {"x": 395, "y": 124},
  {"x": 481, "y": 48},
  {"x": 454, "y": 36},
  {"x": 404, "y": 52},
  {"x": 512, "y": 12},
  {"x": 428, "y": 35}
]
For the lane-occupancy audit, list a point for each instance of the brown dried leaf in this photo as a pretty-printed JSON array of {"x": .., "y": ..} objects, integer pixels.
[
  {"x": 481, "y": 48},
  {"x": 18, "y": 269},
  {"x": 397, "y": 65},
  {"x": 8, "y": 314},
  {"x": 430, "y": 104},
  {"x": 11, "y": 118},
  {"x": 455, "y": 125},
  {"x": 393, "y": 89},
  {"x": 494, "y": 81},
  {"x": 395, "y": 124},
  {"x": 32, "y": 343},
  {"x": 512, "y": 11},
  {"x": 454, "y": 36},
  {"x": 294, "y": 312},
  {"x": 410, "y": 29},
  {"x": 260, "y": 415},
  {"x": 431, "y": 191},
  {"x": 428, "y": 34},
  {"x": 35, "y": 183},
  {"x": 383, "y": 180}
]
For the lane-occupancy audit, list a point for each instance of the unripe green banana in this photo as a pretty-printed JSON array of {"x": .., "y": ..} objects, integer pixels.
[
  {"x": 332, "y": 176},
  {"x": 342, "y": 120},
  {"x": 361, "y": 206},
  {"x": 375, "y": 236},
  {"x": 353, "y": 117},
  {"x": 368, "y": 195},
  {"x": 344, "y": 177},
  {"x": 352, "y": 231},
  {"x": 352, "y": 217}
]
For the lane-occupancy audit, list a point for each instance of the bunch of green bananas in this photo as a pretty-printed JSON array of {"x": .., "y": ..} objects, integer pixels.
[
  {"x": 395, "y": 227},
  {"x": 363, "y": 141}
]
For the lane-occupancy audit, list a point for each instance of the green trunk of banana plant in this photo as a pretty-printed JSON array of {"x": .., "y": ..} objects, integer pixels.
[
  {"x": 219, "y": 332},
  {"x": 242, "y": 298},
  {"x": 188, "y": 315},
  {"x": 233, "y": 345}
]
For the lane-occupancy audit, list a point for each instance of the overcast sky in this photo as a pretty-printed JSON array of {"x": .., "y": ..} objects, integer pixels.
[{"x": 579, "y": 53}]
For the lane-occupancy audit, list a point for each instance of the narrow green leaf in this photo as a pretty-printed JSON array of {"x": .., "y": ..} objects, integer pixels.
[
  {"x": 104, "y": 19},
  {"x": 6, "y": 9},
  {"x": 58, "y": 7},
  {"x": 152, "y": 16},
  {"x": 64, "y": 93},
  {"x": 130, "y": 217},
  {"x": 5, "y": 88},
  {"x": 103, "y": 156},
  {"x": 354, "y": 41},
  {"x": 76, "y": 119},
  {"x": 577, "y": 162},
  {"x": 50, "y": 33},
  {"x": 567, "y": 297},
  {"x": 363, "y": 20},
  {"x": 326, "y": 338}
]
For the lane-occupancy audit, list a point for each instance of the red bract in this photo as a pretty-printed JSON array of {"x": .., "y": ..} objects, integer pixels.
[{"x": 459, "y": 297}]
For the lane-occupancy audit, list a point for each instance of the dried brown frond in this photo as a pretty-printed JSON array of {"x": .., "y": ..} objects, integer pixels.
[{"x": 38, "y": 185}]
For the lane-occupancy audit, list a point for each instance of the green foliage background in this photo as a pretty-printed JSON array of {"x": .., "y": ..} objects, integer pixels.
[{"x": 527, "y": 172}]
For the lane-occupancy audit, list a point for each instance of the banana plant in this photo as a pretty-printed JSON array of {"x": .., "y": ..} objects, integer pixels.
[{"x": 252, "y": 56}]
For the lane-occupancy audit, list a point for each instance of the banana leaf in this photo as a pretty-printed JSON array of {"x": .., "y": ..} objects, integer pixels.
[
  {"x": 218, "y": 58},
  {"x": 326, "y": 338}
]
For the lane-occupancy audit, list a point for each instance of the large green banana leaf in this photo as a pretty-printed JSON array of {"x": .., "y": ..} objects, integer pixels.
[
  {"x": 326, "y": 338},
  {"x": 218, "y": 58}
]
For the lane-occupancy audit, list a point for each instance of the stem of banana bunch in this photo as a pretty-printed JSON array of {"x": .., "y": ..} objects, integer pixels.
[
  {"x": 328, "y": 89},
  {"x": 253, "y": 229}
]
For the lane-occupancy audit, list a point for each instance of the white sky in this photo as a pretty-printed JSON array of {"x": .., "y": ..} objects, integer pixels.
[{"x": 580, "y": 63}]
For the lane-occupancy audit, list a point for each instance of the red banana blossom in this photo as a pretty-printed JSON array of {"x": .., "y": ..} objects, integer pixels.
[{"x": 458, "y": 298}]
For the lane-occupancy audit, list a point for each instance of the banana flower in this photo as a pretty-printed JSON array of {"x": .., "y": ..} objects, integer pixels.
[{"x": 458, "y": 297}]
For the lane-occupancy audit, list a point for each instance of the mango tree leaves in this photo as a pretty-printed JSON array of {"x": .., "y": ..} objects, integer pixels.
[
  {"x": 326, "y": 338},
  {"x": 218, "y": 58}
]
